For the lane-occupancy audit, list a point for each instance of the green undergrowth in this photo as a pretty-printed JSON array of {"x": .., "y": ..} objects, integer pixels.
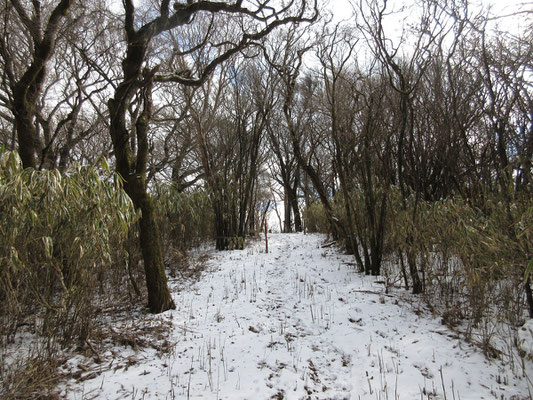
[{"x": 61, "y": 257}]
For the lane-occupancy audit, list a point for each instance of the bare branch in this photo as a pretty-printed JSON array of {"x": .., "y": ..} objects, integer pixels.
[{"x": 248, "y": 39}]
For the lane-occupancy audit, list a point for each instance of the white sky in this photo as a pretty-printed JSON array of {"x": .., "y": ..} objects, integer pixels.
[{"x": 342, "y": 10}]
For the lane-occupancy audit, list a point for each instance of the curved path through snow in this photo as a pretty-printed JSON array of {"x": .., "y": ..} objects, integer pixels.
[{"x": 300, "y": 323}]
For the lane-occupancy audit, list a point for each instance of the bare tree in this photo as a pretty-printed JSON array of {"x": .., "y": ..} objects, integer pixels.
[
  {"x": 335, "y": 52},
  {"x": 139, "y": 74},
  {"x": 26, "y": 88},
  {"x": 405, "y": 74},
  {"x": 67, "y": 96},
  {"x": 283, "y": 166},
  {"x": 298, "y": 97}
]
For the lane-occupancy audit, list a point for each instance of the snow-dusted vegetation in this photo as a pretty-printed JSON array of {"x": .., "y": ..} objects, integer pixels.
[
  {"x": 147, "y": 148},
  {"x": 297, "y": 323}
]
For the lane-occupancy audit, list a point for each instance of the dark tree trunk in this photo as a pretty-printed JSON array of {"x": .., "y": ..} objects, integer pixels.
[
  {"x": 287, "y": 203},
  {"x": 529, "y": 296},
  {"x": 133, "y": 169},
  {"x": 28, "y": 138},
  {"x": 159, "y": 298},
  {"x": 413, "y": 271},
  {"x": 350, "y": 236},
  {"x": 27, "y": 90},
  {"x": 294, "y": 202},
  {"x": 250, "y": 177},
  {"x": 226, "y": 235},
  {"x": 367, "y": 258},
  {"x": 296, "y": 211},
  {"x": 404, "y": 272},
  {"x": 222, "y": 242}
]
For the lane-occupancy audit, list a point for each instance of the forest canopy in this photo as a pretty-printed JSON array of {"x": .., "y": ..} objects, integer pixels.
[{"x": 413, "y": 152}]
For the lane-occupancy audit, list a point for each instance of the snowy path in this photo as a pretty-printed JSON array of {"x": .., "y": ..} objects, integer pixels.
[{"x": 300, "y": 323}]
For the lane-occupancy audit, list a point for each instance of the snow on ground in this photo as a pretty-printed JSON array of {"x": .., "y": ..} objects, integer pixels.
[
  {"x": 300, "y": 323},
  {"x": 525, "y": 339}
]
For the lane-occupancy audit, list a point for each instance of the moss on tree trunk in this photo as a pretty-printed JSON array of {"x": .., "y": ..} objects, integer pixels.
[
  {"x": 159, "y": 298},
  {"x": 132, "y": 168}
]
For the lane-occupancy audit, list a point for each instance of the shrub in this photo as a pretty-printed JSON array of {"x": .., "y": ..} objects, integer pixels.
[
  {"x": 492, "y": 246},
  {"x": 315, "y": 219},
  {"x": 185, "y": 219},
  {"x": 472, "y": 260},
  {"x": 59, "y": 236}
]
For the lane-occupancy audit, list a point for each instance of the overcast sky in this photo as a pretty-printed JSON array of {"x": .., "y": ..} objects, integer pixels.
[{"x": 342, "y": 9}]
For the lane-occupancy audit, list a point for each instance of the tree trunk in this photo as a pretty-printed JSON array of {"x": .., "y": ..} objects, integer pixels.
[
  {"x": 159, "y": 298},
  {"x": 336, "y": 226},
  {"x": 294, "y": 203},
  {"x": 28, "y": 88},
  {"x": 133, "y": 170},
  {"x": 222, "y": 225},
  {"x": 287, "y": 203},
  {"x": 367, "y": 258},
  {"x": 529, "y": 296},
  {"x": 404, "y": 272},
  {"x": 413, "y": 271},
  {"x": 378, "y": 237},
  {"x": 296, "y": 212},
  {"x": 28, "y": 139}
]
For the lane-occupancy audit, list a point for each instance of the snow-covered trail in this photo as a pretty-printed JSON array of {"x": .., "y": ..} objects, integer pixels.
[{"x": 300, "y": 323}]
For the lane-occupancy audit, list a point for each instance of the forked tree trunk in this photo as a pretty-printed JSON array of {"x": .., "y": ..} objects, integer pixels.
[
  {"x": 297, "y": 215},
  {"x": 295, "y": 206},
  {"x": 132, "y": 168},
  {"x": 28, "y": 89}
]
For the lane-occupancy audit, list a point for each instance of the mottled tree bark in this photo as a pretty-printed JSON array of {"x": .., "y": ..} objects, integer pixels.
[
  {"x": 132, "y": 167},
  {"x": 28, "y": 88}
]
